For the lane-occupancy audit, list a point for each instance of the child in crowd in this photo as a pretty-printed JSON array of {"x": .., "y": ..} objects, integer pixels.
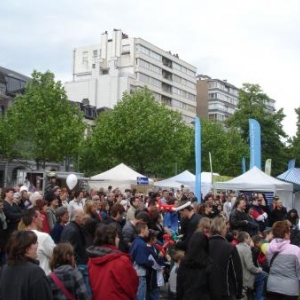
[
  {"x": 234, "y": 240},
  {"x": 177, "y": 257},
  {"x": 140, "y": 256},
  {"x": 154, "y": 277}
]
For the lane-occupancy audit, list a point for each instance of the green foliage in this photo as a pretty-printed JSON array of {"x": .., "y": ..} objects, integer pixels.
[
  {"x": 253, "y": 104},
  {"x": 294, "y": 149},
  {"x": 141, "y": 133},
  {"x": 48, "y": 127},
  {"x": 8, "y": 138},
  {"x": 226, "y": 147}
]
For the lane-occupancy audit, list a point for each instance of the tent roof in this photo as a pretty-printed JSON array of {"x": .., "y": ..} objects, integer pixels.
[
  {"x": 292, "y": 175},
  {"x": 120, "y": 172},
  {"x": 254, "y": 179},
  {"x": 185, "y": 176},
  {"x": 168, "y": 183}
]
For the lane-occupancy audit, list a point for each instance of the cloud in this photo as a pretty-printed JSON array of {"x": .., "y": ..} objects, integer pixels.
[{"x": 241, "y": 41}]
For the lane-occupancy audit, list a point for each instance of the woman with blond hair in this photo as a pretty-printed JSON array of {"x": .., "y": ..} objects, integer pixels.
[
  {"x": 90, "y": 209},
  {"x": 225, "y": 256},
  {"x": 204, "y": 226},
  {"x": 64, "y": 273}
]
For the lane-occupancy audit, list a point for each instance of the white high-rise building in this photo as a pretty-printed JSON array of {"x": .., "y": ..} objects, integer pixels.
[{"x": 103, "y": 72}]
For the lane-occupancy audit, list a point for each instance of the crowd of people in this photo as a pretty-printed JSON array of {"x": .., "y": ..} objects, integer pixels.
[{"x": 105, "y": 244}]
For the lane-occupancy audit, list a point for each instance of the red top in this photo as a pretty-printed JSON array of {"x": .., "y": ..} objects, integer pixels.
[
  {"x": 46, "y": 227},
  {"x": 111, "y": 274}
]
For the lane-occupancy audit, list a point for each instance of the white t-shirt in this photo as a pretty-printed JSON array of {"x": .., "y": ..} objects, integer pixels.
[
  {"x": 173, "y": 278},
  {"x": 75, "y": 205},
  {"x": 44, "y": 250}
]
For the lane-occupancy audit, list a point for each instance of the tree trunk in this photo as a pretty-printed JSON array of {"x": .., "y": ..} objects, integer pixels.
[{"x": 6, "y": 173}]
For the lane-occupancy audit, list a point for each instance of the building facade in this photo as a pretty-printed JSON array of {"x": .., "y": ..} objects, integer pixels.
[
  {"x": 103, "y": 72},
  {"x": 11, "y": 84},
  {"x": 216, "y": 99}
]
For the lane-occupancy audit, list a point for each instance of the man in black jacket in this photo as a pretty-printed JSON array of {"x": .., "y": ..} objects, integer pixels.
[
  {"x": 190, "y": 220},
  {"x": 228, "y": 270},
  {"x": 12, "y": 211},
  {"x": 74, "y": 234},
  {"x": 241, "y": 220}
]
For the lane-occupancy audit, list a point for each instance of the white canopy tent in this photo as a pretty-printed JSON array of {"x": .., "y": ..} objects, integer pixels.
[
  {"x": 258, "y": 181},
  {"x": 188, "y": 179},
  {"x": 120, "y": 176}
]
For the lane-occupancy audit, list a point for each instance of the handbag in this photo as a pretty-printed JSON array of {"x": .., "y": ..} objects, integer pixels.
[{"x": 61, "y": 286}]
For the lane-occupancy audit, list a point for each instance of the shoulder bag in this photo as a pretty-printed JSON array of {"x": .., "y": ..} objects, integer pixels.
[{"x": 61, "y": 286}]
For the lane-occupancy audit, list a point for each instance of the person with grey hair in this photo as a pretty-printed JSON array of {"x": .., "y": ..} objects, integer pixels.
[
  {"x": 62, "y": 218},
  {"x": 73, "y": 234}
]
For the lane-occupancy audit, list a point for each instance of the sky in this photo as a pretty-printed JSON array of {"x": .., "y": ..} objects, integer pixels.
[{"x": 241, "y": 41}]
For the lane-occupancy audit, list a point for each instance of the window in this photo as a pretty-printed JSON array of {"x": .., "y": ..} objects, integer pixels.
[
  {"x": 85, "y": 57},
  {"x": 95, "y": 52},
  {"x": 147, "y": 79},
  {"x": 126, "y": 49},
  {"x": 146, "y": 65},
  {"x": 148, "y": 52}
]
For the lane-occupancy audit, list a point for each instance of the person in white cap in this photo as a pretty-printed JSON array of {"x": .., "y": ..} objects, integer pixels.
[{"x": 190, "y": 220}]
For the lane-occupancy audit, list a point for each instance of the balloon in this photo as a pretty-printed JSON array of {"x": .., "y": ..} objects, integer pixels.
[
  {"x": 71, "y": 181},
  {"x": 264, "y": 247},
  {"x": 189, "y": 203}
]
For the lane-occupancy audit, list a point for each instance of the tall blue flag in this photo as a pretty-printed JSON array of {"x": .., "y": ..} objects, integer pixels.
[
  {"x": 255, "y": 144},
  {"x": 292, "y": 163},
  {"x": 198, "y": 158}
]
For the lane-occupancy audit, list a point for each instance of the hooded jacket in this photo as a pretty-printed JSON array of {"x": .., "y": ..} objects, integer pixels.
[
  {"x": 111, "y": 274},
  {"x": 284, "y": 273}
]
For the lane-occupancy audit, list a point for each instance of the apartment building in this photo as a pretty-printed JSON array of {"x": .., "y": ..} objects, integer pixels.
[
  {"x": 104, "y": 71},
  {"x": 216, "y": 99}
]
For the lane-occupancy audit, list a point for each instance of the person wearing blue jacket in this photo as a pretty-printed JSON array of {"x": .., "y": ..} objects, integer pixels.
[{"x": 140, "y": 256}]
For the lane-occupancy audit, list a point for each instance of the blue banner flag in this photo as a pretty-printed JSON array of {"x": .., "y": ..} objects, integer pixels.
[
  {"x": 255, "y": 144},
  {"x": 198, "y": 158},
  {"x": 292, "y": 163}
]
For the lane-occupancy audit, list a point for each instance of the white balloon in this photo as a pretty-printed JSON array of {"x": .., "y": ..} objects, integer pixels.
[{"x": 71, "y": 181}]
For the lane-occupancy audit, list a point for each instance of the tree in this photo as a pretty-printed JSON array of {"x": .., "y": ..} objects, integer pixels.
[
  {"x": 253, "y": 104},
  {"x": 8, "y": 138},
  {"x": 48, "y": 127},
  {"x": 226, "y": 147},
  {"x": 139, "y": 132},
  {"x": 294, "y": 142}
]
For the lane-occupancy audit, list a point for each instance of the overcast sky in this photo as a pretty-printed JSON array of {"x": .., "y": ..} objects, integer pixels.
[{"x": 241, "y": 41}]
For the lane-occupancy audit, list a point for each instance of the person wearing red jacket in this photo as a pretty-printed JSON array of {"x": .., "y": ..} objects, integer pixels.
[{"x": 111, "y": 274}]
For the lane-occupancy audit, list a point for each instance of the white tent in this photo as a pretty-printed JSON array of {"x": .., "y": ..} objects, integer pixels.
[
  {"x": 185, "y": 178},
  {"x": 258, "y": 181},
  {"x": 120, "y": 176},
  {"x": 188, "y": 179}
]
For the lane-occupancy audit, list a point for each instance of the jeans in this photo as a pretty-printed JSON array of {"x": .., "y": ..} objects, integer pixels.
[
  {"x": 259, "y": 285},
  {"x": 84, "y": 271},
  {"x": 141, "y": 293}
]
